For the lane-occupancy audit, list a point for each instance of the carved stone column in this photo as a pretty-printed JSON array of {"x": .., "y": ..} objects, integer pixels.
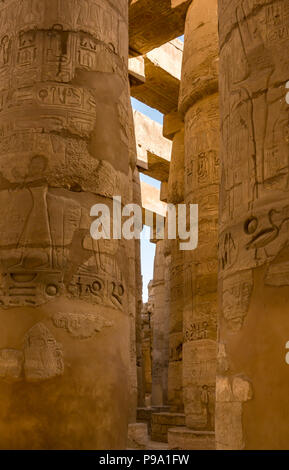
[
  {"x": 173, "y": 298},
  {"x": 167, "y": 261},
  {"x": 176, "y": 269},
  {"x": 64, "y": 145},
  {"x": 136, "y": 389},
  {"x": 199, "y": 106},
  {"x": 160, "y": 333},
  {"x": 252, "y": 386},
  {"x": 147, "y": 336}
]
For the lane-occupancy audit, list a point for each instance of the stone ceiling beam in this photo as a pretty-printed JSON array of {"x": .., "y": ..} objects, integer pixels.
[
  {"x": 155, "y": 22},
  {"x": 151, "y": 200},
  {"x": 153, "y": 150},
  {"x": 155, "y": 77}
]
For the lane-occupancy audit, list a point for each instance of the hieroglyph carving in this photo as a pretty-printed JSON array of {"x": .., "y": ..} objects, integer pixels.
[
  {"x": 254, "y": 147},
  {"x": 66, "y": 144},
  {"x": 36, "y": 252}
]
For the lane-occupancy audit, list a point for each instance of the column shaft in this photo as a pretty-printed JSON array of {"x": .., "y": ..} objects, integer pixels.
[
  {"x": 252, "y": 385},
  {"x": 199, "y": 106},
  {"x": 64, "y": 144},
  {"x": 176, "y": 277}
]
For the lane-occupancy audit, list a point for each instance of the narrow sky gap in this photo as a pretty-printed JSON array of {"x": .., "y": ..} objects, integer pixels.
[
  {"x": 147, "y": 249},
  {"x": 150, "y": 112}
]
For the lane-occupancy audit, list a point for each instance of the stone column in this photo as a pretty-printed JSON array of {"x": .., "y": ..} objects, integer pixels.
[
  {"x": 147, "y": 313},
  {"x": 64, "y": 146},
  {"x": 199, "y": 106},
  {"x": 166, "y": 326},
  {"x": 252, "y": 386},
  {"x": 160, "y": 333},
  {"x": 174, "y": 126},
  {"x": 136, "y": 389}
]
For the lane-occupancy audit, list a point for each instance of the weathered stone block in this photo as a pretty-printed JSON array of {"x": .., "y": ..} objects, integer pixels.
[{"x": 187, "y": 439}]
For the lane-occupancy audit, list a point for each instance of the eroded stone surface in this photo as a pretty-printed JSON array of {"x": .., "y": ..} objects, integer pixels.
[
  {"x": 80, "y": 325},
  {"x": 11, "y": 363},
  {"x": 43, "y": 356}
]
